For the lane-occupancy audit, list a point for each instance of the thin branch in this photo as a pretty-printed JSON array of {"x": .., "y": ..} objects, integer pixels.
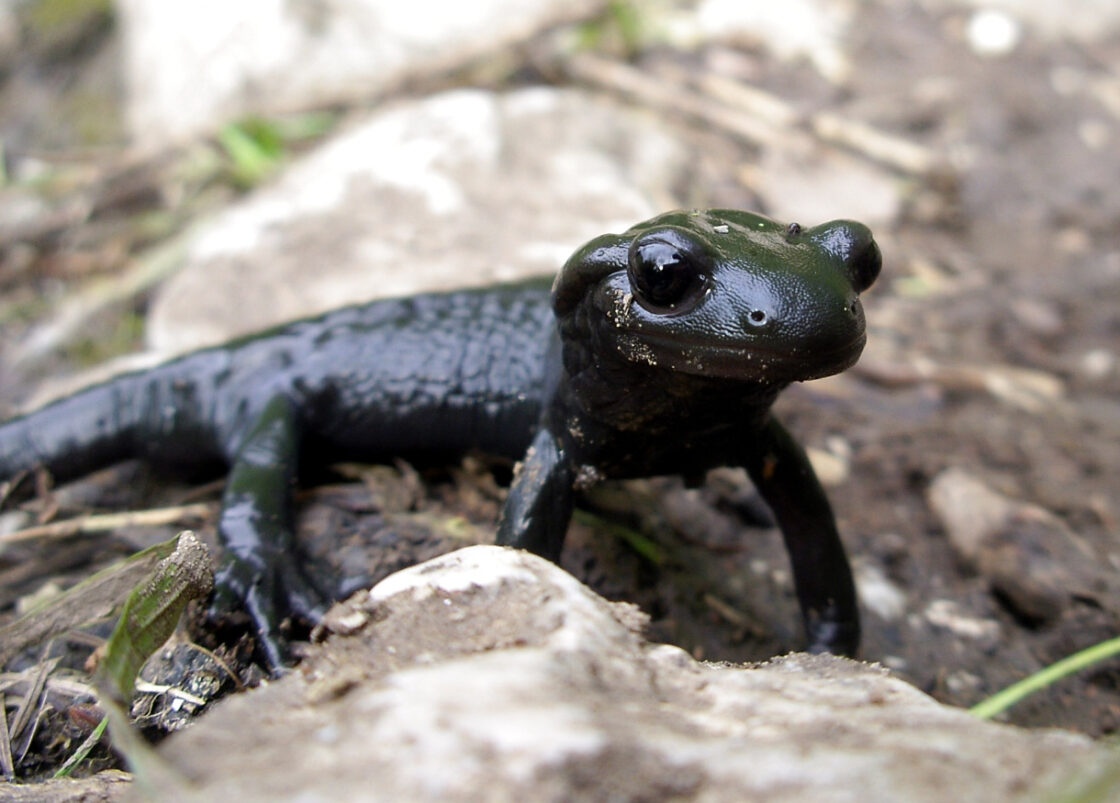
[
  {"x": 112, "y": 521},
  {"x": 751, "y": 113}
]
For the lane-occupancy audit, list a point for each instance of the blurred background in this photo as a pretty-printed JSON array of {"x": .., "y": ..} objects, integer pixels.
[{"x": 173, "y": 174}]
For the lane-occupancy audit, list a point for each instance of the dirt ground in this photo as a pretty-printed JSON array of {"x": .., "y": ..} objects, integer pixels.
[{"x": 994, "y": 349}]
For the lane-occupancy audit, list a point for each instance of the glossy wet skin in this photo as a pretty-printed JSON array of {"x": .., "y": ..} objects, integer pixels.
[
  {"x": 731, "y": 294},
  {"x": 659, "y": 350},
  {"x": 676, "y": 338}
]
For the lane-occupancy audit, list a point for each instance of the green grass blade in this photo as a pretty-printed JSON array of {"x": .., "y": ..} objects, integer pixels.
[
  {"x": 83, "y": 750},
  {"x": 253, "y": 155},
  {"x": 152, "y": 611},
  {"x": 1003, "y": 700}
]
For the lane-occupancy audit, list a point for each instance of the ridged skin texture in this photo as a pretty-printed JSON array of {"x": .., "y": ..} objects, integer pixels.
[{"x": 434, "y": 373}]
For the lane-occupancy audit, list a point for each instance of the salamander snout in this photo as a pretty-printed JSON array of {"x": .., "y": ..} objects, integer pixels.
[{"x": 853, "y": 246}]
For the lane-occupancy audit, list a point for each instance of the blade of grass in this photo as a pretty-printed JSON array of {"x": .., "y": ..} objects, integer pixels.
[
  {"x": 253, "y": 157},
  {"x": 147, "y": 620},
  {"x": 83, "y": 750},
  {"x": 93, "y": 598},
  {"x": 644, "y": 546},
  {"x": 1003, "y": 700},
  {"x": 151, "y": 613}
]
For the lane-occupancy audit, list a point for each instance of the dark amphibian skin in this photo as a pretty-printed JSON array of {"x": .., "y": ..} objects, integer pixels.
[{"x": 659, "y": 351}]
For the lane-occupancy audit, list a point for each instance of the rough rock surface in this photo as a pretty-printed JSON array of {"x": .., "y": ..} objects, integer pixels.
[
  {"x": 190, "y": 67},
  {"x": 467, "y": 187},
  {"x": 490, "y": 674}
]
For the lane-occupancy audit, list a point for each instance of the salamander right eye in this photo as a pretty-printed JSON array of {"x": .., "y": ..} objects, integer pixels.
[
  {"x": 664, "y": 275},
  {"x": 864, "y": 265}
]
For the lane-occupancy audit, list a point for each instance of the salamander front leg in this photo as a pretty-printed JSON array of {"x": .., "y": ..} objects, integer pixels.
[
  {"x": 539, "y": 505},
  {"x": 260, "y": 570},
  {"x": 821, "y": 573}
]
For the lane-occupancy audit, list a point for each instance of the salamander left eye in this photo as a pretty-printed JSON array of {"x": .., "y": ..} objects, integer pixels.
[
  {"x": 864, "y": 265},
  {"x": 664, "y": 275}
]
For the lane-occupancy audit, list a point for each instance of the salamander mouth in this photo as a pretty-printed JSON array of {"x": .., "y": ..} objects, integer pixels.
[{"x": 748, "y": 361}]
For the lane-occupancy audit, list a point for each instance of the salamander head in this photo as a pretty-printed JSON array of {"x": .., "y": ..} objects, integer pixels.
[{"x": 722, "y": 293}]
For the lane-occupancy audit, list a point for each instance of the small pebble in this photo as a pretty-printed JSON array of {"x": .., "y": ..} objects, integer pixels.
[
  {"x": 1038, "y": 317},
  {"x": 1096, "y": 134},
  {"x": 1097, "y": 363},
  {"x": 969, "y": 511},
  {"x": 878, "y": 593},
  {"x": 962, "y": 682},
  {"x": 831, "y": 469},
  {"x": 993, "y": 33},
  {"x": 345, "y": 621},
  {"x": 948, "y": 614}
]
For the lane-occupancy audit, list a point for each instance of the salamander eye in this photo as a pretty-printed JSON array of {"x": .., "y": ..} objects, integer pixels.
[
  {"x": 865, "y": 265},
  {"x": 664, "y": 275},
  {"x": 852, "y": 244}
]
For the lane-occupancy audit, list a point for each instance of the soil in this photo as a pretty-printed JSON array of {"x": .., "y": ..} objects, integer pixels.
[{"x": 994, "y": 350}]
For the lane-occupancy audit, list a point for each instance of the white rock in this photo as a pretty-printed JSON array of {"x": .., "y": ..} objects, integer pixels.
[
  {"x": 490, "y": 674},
  {"x": 191, "y": 66},
  {"x": 464, "y": 188},
  {"x": 795, "y": 29}
]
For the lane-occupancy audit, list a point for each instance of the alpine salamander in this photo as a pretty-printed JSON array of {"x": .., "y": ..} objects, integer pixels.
[{"x": 659, "y": 351}]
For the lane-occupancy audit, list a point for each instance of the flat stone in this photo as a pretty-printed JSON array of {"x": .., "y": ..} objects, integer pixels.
[
  {"x": 491, "y": 674},
  {"x": 190, "y": 67},
  {"x": 463, "y": 188}
]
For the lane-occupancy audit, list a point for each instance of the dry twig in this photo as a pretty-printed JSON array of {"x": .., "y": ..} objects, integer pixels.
[
  {"x": 752, "y": 114},
  {"x": 111, "y": 521}
]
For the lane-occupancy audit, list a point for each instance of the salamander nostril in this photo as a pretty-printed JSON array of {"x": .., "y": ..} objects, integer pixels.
[{"x": 758, "y": 317}]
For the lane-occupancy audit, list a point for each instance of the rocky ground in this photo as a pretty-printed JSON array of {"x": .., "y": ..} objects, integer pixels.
[{"x": 971, "y": 455}]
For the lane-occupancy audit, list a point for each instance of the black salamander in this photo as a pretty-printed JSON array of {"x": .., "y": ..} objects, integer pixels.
[{"x": 658, "y": 351}]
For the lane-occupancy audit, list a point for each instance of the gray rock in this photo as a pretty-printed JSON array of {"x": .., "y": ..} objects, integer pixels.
[
  {"x": 824, "y": 184},
  {"x": 463, "y": 188},
  {"x": 189, "y": 67},
  {"x": 1029, "y": 555},
  {"x": 969, "y": 510},
  {"x": 490, "y": 674}
]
